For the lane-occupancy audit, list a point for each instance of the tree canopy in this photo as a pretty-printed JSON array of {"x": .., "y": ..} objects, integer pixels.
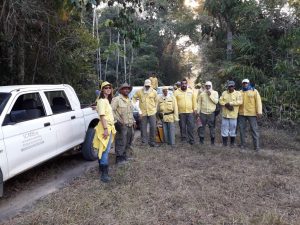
[{"x": 83, "y": 41}]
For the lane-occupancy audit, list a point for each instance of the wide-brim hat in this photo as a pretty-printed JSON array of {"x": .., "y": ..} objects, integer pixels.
[
  {"x": 105, "y": 83},
  {"x": 125, "y": 85}
]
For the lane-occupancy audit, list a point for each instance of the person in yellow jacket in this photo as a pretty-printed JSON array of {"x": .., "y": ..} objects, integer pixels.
[
  {"x": 230, "y": 102},
  {"x": 154, "y": 81},
  {"x": 186, "y": 101},
  {"x": 105, "y": 130},
  {"x": 168, "y": 113},
  {"x": 250, "y": 110},
  {"x": 206, "y": 107},
  {"x": 148, "y": 104}
]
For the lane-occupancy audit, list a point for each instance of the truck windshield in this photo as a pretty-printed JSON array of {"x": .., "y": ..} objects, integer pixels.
[{"x": 3, "y": 100}]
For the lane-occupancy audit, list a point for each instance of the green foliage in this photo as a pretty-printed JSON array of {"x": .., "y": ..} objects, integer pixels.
[{"x": 265, "y": 49}]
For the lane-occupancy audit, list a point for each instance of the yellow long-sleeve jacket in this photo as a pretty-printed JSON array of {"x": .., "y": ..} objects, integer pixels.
[
  {"x": 167, "y": 105},
  {"x": 186, "y": 100},
  {"x": 154, "y": 82},
  {"x": 207, "y": 103},
  {"x": 147, "y": 101},
  {"x": 252, "y": 104},
  {"x": 234, "y": 99},
  {"x": 103, "y": 109}
]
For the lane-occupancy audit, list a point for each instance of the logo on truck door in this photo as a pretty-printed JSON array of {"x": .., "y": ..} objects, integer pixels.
[{"x": 31, "y": 139}]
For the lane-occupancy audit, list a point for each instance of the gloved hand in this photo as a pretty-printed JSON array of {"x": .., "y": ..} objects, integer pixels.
[
  {"x": 160, "y": 115},
  {"x": 229, "y": 107}
]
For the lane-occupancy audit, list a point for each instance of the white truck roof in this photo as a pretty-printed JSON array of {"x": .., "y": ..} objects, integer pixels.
[{"x": 31, "y": 87}]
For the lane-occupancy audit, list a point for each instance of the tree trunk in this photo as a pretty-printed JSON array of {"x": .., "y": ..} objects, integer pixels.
[
  {"x": 35, "y": 65},
  {"x": 107, "y": 59},
  {"x": 229, "y": 43},
  {"x": 21, "y": 55},
  {"x": 118, "y": 59},
  {"x": 130, "y": 64},
  {"x": 125, "y": 68},
  {"x": 99, "y": 66}
]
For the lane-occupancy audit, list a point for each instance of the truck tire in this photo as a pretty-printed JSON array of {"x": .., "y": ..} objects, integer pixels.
[
  {"x": 88, "y": 150},
  {"x": 1, "y": 183}
]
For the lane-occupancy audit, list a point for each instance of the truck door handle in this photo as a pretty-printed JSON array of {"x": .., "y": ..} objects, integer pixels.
[
  {"x": 47, "y": 124},
  {"x": 73, "y": 117}
]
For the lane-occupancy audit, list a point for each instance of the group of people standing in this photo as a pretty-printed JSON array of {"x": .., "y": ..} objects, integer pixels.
[{"x": 190, "y": 107}]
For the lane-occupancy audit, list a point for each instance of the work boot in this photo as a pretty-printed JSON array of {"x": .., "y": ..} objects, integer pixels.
[
  {"x": 212, "y": 141},
  {"x": 225, "y": 139},
  {"x": 201, "y": 140},
  {"x": 119, "y": 159},
  {"x": 104, "y": 173},
  {"x": 232, "y": 140}
]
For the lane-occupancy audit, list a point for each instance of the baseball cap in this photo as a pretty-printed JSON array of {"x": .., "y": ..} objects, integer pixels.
[
  {"x": 230, "y": 83},
  {"x": 147, "y": 83}
]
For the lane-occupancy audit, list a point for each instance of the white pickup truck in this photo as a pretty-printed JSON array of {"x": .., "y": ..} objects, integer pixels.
[{"x": 38, "y": 122}]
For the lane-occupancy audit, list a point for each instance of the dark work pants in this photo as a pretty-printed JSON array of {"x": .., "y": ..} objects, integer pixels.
[
  {"x": 254, "y": 129},
  {"x": 123, "y": 140},
  {"x": 187, "y": 124},
  {"x": 207, "y": 119},
  {"x": 152, "y": 122}
]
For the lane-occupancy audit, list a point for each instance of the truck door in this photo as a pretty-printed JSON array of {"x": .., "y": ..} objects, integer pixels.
[
  {"x": 28, "y": 133},
  {"x": 64, "y": 117}
]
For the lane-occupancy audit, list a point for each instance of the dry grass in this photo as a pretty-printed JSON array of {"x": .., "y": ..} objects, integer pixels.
[{"x": 186, "y": 185}]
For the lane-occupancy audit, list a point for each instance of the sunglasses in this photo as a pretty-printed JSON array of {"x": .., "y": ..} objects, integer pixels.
[{"x": 108, "y": 87}]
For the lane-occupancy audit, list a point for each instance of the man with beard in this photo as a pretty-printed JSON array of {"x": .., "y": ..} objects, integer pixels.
[
  {"x": 186, "y": 101},
  {"x": 123, "y": 114}
]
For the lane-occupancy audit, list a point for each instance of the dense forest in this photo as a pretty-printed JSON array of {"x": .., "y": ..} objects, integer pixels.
[{"x": 80, "y": 42}]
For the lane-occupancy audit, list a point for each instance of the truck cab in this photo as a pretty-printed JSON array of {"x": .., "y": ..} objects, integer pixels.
[{"x": 38, "y": 122}]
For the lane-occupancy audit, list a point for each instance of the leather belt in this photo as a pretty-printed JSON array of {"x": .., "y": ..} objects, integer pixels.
[{"x": 165, "y": 114}]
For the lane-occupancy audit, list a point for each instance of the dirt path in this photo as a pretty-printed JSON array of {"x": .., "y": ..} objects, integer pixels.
[{"x": 25, "y": 189}]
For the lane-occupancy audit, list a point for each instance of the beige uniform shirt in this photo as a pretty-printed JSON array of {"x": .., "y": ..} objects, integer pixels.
[
  {"x": 123, "y": 110},
  {"x": 166, "y": 105}
]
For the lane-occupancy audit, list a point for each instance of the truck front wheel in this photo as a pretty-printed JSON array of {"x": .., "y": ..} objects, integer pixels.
[{"x": 88, "y": 150}]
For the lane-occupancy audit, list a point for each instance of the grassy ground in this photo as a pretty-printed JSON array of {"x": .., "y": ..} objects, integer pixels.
[{"x": 185, "y": 185}]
